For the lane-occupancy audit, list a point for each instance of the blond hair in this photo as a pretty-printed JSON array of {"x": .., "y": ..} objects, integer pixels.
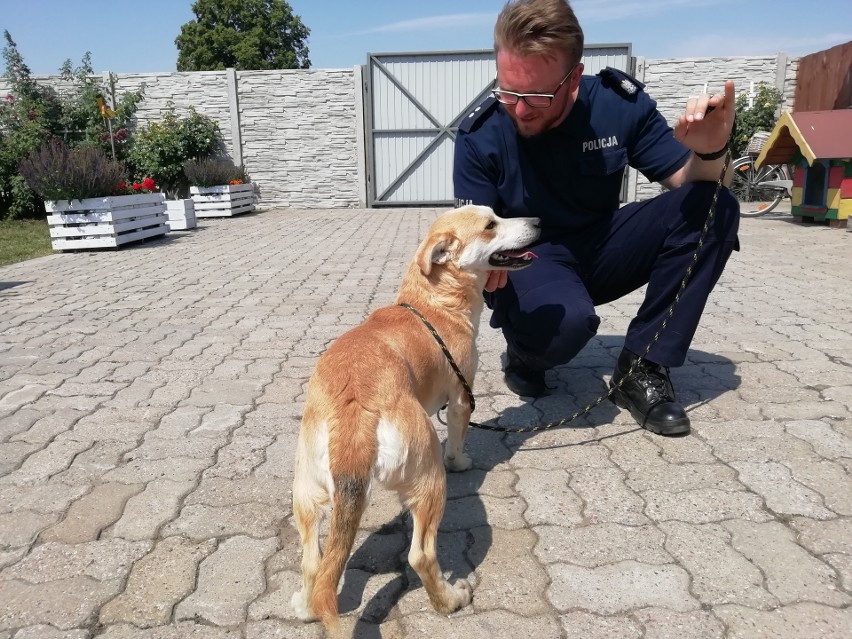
[{"x": 539, "y": 27}]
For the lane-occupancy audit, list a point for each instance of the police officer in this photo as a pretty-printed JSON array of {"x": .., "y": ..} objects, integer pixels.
[{"x": 554, "y": 144}]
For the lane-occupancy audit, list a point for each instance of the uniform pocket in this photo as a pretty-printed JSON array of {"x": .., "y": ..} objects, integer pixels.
[{"x": 603, "y": 162}]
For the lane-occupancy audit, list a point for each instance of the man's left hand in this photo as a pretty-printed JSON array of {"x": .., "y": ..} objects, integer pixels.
[{"x": 706, "y": 132}]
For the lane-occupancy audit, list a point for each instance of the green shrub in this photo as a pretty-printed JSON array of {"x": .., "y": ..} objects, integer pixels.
[
  {"x": 214, "y": 171},
  {"x": 760, "y": 117},
  {"x": 33, "y": 114},
  {"x": 58, "y": 172},
  {"x": 161, "y": 149}
]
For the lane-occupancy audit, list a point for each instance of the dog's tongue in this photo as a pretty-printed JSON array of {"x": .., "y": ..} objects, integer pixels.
[{"x": 527, "y": 255}]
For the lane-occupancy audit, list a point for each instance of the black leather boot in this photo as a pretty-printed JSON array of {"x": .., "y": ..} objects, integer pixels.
[
  {"x": 521, "y": 379},
  {"x": 648, "y": 394}
]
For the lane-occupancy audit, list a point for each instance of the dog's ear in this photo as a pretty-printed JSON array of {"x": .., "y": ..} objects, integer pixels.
[{"x": 434, "y": 250}]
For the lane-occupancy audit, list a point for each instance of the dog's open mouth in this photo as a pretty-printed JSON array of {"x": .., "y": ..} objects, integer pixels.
[{"x": 512, "y": 259}]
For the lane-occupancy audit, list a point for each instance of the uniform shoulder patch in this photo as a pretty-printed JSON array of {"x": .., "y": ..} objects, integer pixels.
[
  {"x": 622, "y": 82},
  {"x": 478, "y": 114}
]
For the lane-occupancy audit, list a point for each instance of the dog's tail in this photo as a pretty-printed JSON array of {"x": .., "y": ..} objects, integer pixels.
[
  {"x": 352, "y": 452},
  {"x": 350, "y": 500}
]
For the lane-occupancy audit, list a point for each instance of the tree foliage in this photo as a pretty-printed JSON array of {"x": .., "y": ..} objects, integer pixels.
[
  {"x": 761, "y": 116},
  {"x": 243, "y": 34},
  {"x": 160, "y": 149}
]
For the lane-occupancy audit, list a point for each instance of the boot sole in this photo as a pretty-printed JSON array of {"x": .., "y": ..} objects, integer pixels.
[{"x": 679, "y": 427}]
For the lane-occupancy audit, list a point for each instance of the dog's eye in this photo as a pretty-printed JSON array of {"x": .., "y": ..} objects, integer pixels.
[{"x": 492, "y": 224}]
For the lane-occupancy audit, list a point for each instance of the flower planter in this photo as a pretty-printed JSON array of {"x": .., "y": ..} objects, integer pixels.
[
  {"x": 181, "y": 214},
  {"x": 105, "y": 222},
  {"x": 222, "y": 201}
]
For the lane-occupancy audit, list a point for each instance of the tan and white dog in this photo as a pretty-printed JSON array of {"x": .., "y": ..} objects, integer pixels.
[{"x": 370, "y": 398}]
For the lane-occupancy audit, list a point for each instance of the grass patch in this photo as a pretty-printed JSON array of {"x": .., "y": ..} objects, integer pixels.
[{"x": 23, "y": 240}]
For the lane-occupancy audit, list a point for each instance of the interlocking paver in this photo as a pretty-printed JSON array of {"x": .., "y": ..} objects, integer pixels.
[{"x": 148, "y": 436}]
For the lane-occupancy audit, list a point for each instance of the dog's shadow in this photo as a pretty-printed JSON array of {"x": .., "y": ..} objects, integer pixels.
[{"x": 378, "y": 570}]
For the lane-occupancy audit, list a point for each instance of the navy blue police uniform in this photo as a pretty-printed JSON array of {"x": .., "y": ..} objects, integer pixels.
[{"x": 592, "y": 251}]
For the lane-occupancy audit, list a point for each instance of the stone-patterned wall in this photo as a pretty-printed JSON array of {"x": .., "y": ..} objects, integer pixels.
[
  {"x": 670, "y": 82},
  {"x": 298, "y": 127},
  {"x": 299, "y": 136}
]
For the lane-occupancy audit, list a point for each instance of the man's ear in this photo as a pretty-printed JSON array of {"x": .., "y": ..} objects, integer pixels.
[{"x": 434, "y": 250}]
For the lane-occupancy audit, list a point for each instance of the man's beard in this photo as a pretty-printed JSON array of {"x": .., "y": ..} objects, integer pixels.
[{"x": 539, "y": 125}]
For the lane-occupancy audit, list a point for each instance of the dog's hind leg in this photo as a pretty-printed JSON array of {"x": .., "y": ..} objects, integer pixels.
[
  {"x": 425, "y": 497},
  {"x": 309, "y": 499}
]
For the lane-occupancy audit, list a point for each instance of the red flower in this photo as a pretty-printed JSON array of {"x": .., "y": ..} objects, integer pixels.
[
  {"x": 149, "y": 184},
  {"x": 137, "y": 187}
]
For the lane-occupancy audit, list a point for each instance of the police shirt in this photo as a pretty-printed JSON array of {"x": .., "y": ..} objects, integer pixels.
[{"x": 569, "y": 176}]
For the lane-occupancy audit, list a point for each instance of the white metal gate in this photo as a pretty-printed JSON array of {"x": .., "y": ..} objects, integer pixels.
[{"x": 413, "y": 103}]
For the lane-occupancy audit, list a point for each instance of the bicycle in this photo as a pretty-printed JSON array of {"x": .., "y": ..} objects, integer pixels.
[{"x": 767, "y": 185}]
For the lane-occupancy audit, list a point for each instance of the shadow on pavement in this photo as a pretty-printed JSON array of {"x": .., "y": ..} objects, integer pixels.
[{"x": 466, "y": 535}]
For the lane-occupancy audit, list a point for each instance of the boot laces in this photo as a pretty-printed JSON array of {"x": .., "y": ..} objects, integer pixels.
[{"x": 657, "y": 378}]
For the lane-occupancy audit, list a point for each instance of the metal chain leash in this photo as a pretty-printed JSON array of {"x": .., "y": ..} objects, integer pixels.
[{"x": 711, "y": 214}]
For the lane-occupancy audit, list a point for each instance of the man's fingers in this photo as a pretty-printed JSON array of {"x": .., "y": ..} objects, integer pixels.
[{"x": 496, "y": 279}]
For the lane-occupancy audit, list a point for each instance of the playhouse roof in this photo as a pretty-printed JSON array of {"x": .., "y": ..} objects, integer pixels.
[{"x": 817, "y": 135}]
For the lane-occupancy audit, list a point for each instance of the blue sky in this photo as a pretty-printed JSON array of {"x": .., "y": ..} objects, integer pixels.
[{"x": 128, "y": 36}]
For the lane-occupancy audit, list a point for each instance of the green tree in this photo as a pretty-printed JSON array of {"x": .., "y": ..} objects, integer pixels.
[
  {"x": 761, "y": 116},
  {"x": 243, "y": 34}
]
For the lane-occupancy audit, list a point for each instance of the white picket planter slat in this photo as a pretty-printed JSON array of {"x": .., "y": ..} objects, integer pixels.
[
  {"x": 181, "y": 214},
  {"x": 222, "y": 201},
  {"x": 106, "y": 221}
]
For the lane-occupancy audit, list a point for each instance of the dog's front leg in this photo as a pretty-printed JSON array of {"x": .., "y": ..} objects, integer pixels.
[{"x": 458, "y": 418}]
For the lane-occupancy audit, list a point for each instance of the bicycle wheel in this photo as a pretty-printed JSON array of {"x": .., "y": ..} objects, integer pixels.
[{"x": 755, "y": 197}]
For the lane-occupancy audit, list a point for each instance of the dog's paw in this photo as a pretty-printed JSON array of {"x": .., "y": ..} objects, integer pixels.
[
  {"x": 464, "y": 592},
  {"x": 457, "y": 463},
  {"x": 301, "y": 606}
]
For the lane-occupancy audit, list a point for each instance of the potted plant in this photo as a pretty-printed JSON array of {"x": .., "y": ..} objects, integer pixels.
[
  {"x": 89, "y": 203},
  {"x": 160, "y": 150},
  {"x": 219, "y": 187}
]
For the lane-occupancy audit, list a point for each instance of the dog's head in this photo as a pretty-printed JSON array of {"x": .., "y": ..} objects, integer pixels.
[{"x": 476, "y": 240}]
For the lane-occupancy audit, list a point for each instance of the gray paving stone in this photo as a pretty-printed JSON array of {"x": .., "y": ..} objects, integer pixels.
[
  {"x": 185, "y": 630},
  {"x": 660, "y": 623},
  {"x": 548, "y": 497},
  {"x": 44, "y": 631},
  {"x": 820, "y": 537},
  {"x": 585, "y": 624},
  {"x": 65, "y": 604},
  {"x": 509, "y": 577},
  {"x": 782, "y": 494},
  {"x": 606, "y": 497},
  {"x": 157, "y": 582},
  {"x": 98, "y": 560},
  {"x": 792, "y": 574},
  {"x": 200, "y": 521},
  {"x": 147, "y": 511},
  {"x": 600, "y": 544},
  {"x": 797, "y": 620},
  {"x": 620, "y": 587},
  {"x": 90, "y": 514},
  {"x": 228, "y": 580},
  {"x": 21, "y": 527},
  {"x": 720, "y": 574},
  {"x": 826, "y": 441},
  {"x": 703, "y": 505}
]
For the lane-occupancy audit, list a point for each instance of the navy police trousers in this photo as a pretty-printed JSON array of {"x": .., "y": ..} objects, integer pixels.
[{"x": 547, "y": 311}]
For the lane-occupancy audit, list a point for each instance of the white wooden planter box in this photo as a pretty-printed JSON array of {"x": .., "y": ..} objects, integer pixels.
[
  {"x": 222, "y": 201},
  {"x": 181, "y": 214},
  {"x": 104, "y": 222}
]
